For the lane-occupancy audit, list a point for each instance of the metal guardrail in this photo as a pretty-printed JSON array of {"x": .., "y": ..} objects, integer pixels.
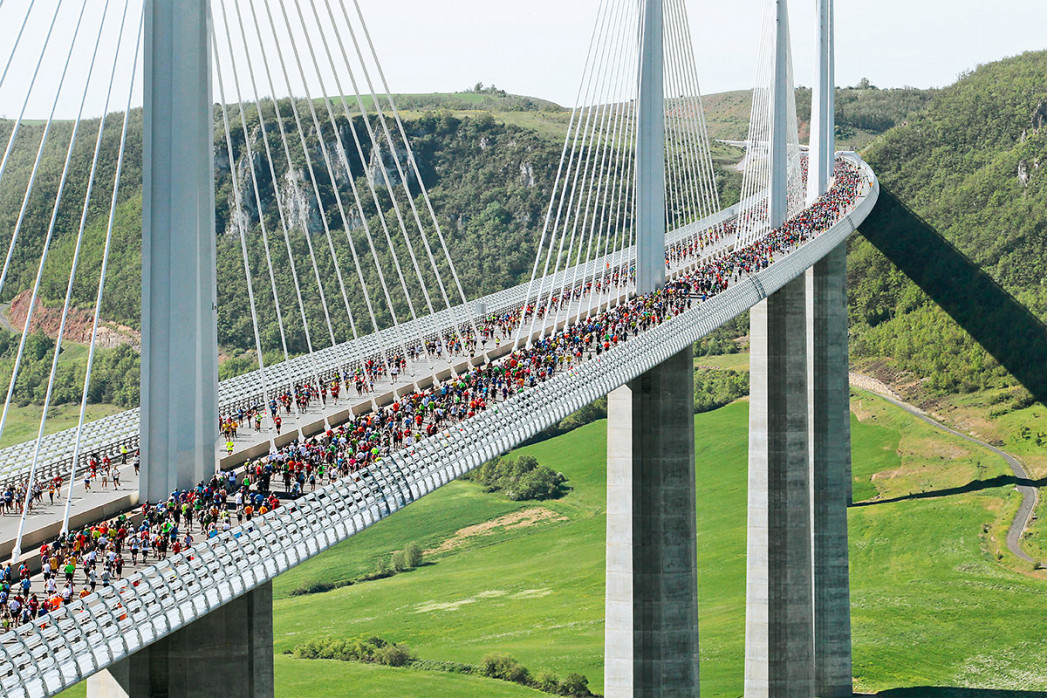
[
  {"x": 93, "y": 633},
  {"x": 106, "y": 436}
]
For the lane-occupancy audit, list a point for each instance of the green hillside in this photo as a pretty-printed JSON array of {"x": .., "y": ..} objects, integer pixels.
[
  {"x": 488, "y": 159},
  {"x": 970, "y": 165},
  {"x": 863, "y": 112},
  {"x": 478, "y": 98}
]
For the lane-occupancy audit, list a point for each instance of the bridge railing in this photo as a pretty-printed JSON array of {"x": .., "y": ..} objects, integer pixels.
[
  {"x": 107, "y": 436},
  {"x": 93, "y": 633}
]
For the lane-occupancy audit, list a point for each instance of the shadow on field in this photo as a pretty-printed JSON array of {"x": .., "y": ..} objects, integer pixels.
[
  {"x": 973, "y": 486},
  {"x": 940, "y": 692},
  {"x": 999, "y": 323}
]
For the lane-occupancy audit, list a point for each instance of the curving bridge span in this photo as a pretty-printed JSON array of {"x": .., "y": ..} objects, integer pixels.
[
  {"x": 112, "y": 625},
  {"x": 646, "y": 177}
]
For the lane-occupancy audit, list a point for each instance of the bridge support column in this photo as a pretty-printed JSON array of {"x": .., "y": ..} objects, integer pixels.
[
  {"x": 651, "y": 632},
  {"x": 179, "y": 420},
  {"x": 779, "y": 642},
  {"x": 228, "y": 652},
  {"x": 830, "y": 471}
]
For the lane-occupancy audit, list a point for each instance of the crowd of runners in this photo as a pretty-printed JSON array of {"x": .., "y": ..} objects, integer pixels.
[{"x": 77, "y": 563}]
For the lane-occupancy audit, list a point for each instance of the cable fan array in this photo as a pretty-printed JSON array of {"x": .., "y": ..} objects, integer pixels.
[
  {"x": 754, "y": 219},
  {"x": 326, "y": 190},
  {"x": 70, "y": 178},
  {"x": 324, "y": 224},
  {"x": 590, "y": 223},
  {"x": 326, "y": 235}
]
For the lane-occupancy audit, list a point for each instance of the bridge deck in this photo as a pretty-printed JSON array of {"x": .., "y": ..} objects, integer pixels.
[
  {"x": 90, "y": 634},
  {"x": 45, "y": 522}
]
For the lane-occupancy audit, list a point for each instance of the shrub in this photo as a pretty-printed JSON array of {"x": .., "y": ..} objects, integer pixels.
[
  {"x": 713, "y": 389},
  {"x": 547, "y": 682},
  {"x": 374, "y": 650},
  {"x": 520, "y": 478},
  {"x": 317, "y": 587},
  {"x": 449, "y": 667},
  {"x": 575, "y": 685},
  {"x": 414, "y": 554},
  {"x": 504, "y": 667},
  {"x": 393, "y": 655},
  {"x": 381, "y": 568},
  {"x": 399, "y": 561}
]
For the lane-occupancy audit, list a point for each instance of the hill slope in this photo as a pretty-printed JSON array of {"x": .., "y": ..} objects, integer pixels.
[
  {"x": 970, "y": 165},
  {"x": 862, "y": 113}
]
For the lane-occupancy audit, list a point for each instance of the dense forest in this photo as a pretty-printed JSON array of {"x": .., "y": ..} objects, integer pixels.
[{"x": 970, "y": 164}]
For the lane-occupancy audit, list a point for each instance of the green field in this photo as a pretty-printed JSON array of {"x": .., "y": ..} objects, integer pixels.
[
  {"x": 933, "y": 604},
  {"x": 23, "y": 423}
]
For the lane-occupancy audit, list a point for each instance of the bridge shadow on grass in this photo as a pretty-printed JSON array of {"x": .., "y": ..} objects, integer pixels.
[
  {"x": 941, "y": 692},
  {"x": 973, "y": 486},
  {"x": 999, "y": 323}
]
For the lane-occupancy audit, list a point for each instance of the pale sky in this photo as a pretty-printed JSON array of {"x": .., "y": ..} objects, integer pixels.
[{"x": 538, "y": 47}]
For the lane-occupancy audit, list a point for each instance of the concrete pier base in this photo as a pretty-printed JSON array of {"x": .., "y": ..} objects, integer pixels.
[
  {"x": 226, "y": 653},
  {"x": 779, "y": 642},
  {"x": 651, "y": 632},
  {"x": 830, "y": 429}
]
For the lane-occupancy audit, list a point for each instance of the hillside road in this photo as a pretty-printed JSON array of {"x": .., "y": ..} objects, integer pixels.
[{"x": 1030, "y": 495}]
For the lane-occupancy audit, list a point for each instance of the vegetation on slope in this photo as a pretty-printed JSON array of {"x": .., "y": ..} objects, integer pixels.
[
  {"x": 489, "y": 174},
  {"x": 970, "y": 165},
  {"x": 487, "y": 157},
  {"x": 863, "y": 112}
]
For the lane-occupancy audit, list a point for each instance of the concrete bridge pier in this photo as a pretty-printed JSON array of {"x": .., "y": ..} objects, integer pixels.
[
  {"x": 226, "y": 653},
  {"x": 779, "y": 614},
  {"x": 651, "y": 632},
  {"x": 830, "y": 430}
]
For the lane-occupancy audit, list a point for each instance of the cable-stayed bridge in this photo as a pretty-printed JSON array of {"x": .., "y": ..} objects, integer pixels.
[{"x": 269, "y": 135}]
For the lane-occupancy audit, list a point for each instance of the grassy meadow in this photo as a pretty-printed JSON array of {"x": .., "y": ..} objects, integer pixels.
[
  {"x": 937, "y": 599},
  {"x": 23, "y": 423}
]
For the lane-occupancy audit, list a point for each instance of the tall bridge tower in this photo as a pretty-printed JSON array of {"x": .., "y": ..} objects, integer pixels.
[
  {"x": 797, "y": 640},
  {"x": 233, "y": 646},
  {"x": 651, "y": 640},
  {"x": 828, "y": 399},
  {"x": 798, "y": 605}
]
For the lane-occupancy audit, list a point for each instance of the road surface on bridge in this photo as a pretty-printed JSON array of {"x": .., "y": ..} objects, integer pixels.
[{"x": 44, "y": 522}]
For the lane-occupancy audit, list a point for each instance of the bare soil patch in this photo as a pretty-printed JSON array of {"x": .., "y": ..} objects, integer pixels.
[
  {"x": 78, "y": 324},
  {"x": 517, "y": 519}
]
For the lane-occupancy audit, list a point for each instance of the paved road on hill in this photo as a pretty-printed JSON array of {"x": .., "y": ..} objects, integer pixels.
[{"x": 1030, "y": 494}]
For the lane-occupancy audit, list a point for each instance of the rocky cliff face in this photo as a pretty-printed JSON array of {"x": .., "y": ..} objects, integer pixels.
[{"x": 347, "y": 153}]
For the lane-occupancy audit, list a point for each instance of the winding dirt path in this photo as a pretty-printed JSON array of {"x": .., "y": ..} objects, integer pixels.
[{"x": 1029, "y": 493}]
